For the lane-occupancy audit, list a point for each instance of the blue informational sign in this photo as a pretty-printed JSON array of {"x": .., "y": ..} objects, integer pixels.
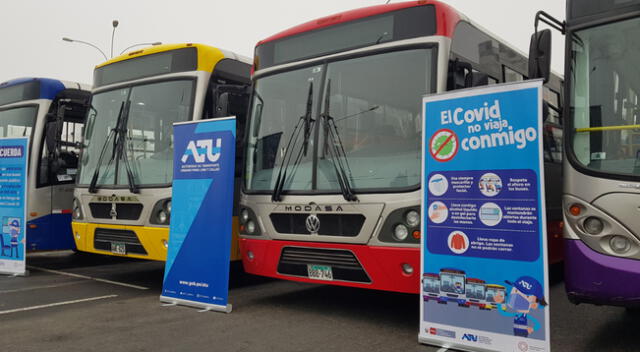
[
  {"x": 484, "y": 261},
  {"x": 13, "y": 205},
  {"x": 197, "y": 267}
]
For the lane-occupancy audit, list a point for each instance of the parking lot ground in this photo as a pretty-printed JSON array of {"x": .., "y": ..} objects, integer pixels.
[{"x": 78, "y": 302}]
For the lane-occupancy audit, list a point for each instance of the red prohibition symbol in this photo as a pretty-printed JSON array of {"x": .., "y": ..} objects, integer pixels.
[{"x": 443, "y": 145}]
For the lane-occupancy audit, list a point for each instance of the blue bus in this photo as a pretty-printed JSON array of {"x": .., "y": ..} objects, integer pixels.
[{"x": 51, "y": 113}]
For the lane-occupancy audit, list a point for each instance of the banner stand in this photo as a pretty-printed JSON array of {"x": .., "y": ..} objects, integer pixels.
[
  {"x": 13, "y": 205},
  {"x": 170, "y": 301},
  {"x": 200, "y": 231},
  {"x": 484, "y": 272}
]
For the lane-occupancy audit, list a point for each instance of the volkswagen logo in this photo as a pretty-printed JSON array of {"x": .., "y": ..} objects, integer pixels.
[
  {"x": 113, "y": 211},
  {"x": 312, "y": 223}
]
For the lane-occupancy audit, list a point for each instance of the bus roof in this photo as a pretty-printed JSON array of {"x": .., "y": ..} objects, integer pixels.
[
  {"x": 475, "y": 281},
  {"x": 496, "y": 286},
  {"x": 208, "y": 56},
  {"x": 431, "y": 275},
  {"x": 446, "y": 18},
  {"x": 49, "y": 87}
]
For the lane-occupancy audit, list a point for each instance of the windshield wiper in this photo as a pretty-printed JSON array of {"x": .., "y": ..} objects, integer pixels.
[
  {"x": 118, "y": 152},
  {"x": 276, "y": 196},
  {"x": 122, "y": 151},
  {"x": 333, "y": 145},
  {"x": 96, "y": 173}
]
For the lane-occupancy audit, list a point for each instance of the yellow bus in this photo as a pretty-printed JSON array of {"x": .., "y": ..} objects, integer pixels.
[{"x": 122, "y": 199}]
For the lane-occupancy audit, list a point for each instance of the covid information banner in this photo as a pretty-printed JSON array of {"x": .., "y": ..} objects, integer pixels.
[
  {"x": 197, "y": 268},
  {"x": 13, "y": 205},
  {"x": 484, "y": 261}
]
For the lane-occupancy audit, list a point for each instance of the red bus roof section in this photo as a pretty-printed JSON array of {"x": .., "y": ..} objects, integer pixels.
[
  {"x": 446, "y": 18},
  {"x": 473, "y": 280}
]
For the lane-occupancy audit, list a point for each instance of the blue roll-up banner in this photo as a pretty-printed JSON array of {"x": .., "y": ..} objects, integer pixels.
[
  {"x": 484, "y": 258},
  {"x": 197, "y": 268},
  {"x": 13, "y": 204}
]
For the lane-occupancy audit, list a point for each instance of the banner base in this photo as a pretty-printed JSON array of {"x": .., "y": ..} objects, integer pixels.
[
  {"x": 203, "y": 306},
  {"x": 454, "y": 346},
  {"x": 13, "y": 274}
]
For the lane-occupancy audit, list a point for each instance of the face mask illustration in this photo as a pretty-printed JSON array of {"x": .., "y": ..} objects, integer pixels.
[{"x": 517, "y": 302}]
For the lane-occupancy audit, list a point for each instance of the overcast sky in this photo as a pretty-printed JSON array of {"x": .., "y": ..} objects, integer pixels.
[{"x": 31, "y": 30}]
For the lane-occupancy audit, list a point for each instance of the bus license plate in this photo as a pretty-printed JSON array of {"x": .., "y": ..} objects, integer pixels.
[
  {"x": 118, "y": 248},
  {"x": 320, "y": 272}
]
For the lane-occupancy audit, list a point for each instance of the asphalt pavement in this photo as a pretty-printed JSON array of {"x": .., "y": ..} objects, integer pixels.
[{"x": 81, "y": 302}]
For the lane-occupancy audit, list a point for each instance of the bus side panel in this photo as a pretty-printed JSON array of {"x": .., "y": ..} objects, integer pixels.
[
  {"x": 50, "y": 232},
  {"x": 592, "y": 277}
]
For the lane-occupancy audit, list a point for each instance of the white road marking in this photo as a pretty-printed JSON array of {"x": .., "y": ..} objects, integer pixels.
[
  {"x": 87, "y": 277},
  {"x": 55, "y": 304},
  {"x": 443, "y": 349},
  {"x": 41, "y": 287}
]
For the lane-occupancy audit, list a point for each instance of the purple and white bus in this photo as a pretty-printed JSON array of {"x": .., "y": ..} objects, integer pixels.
[{"x": 602, "y": 152}]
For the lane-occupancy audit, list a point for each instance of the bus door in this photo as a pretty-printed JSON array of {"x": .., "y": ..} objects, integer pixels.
[
  {"x": 228, "y": 95},
  {"x": 61, "y": 150}
]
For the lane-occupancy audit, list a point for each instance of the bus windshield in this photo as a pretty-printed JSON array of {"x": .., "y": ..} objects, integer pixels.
[
  {"x": 604, "y": 97},
  {"x": 431, "y": 284},
  {"x": 17, "y": 122},
  {"x": 374, "y": 104},
  {"x": 475, "y": 290},
  {"x": 492, "y": 292},
  {"x": 152, "y": 110},
  {"x": 452, "y": 283}
]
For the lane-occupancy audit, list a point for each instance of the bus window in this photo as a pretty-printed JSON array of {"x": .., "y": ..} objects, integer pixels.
[
  {"x": 511, "y": 75},
  {"x": 68, "y": 140}
]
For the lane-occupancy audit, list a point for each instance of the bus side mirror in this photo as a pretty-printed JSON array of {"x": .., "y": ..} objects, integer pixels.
[
  {"x": 222, "y": 110},
  {"x": 540, "y": 55}
]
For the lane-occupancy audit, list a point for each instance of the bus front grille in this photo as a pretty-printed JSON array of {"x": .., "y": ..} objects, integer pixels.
[
  {"x": 345, "y": 225},
  {"x": 344, "y": 264},
  {"x": 124, "y": 211},
  {"x": 103, "y": 238}
]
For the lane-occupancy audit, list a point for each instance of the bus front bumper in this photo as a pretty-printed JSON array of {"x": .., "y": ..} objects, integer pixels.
[
  {"x": 373, "y": 267},
  {"x": 592, "y": 277},
  {"x": 139, "y": 241},
  {"x": 151, "y": 241}
]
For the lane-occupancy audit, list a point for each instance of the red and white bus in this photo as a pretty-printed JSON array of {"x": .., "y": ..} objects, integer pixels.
[{"x": 331, "y": 189}]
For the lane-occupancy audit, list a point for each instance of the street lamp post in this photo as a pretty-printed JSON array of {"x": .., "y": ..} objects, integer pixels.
[
  {"x": 87, "y": 43},
  {"x": 114, "y": 23}
]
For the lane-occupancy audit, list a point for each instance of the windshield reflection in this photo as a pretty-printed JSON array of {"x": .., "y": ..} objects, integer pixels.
[
  {"x": 374, "y": 102},
  {"x": 153, "y": 108},
  {"x": 604, "y": 91},
  {"x": 17, "y": 122}
]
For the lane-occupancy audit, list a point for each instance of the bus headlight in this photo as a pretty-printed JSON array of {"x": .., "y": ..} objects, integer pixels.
[
  {"x": 249, "y": 222},
  {"x": 402, "y": 226},
  {"x": 400, "y": 232},
  {"x": 593, "y": 225},
  {"x": 162, "y": 217},
  {"x": 619, "y": 244},
  {"x": 251, "y": 227},
  {"x": 244, "y": 216},
  {"x": 161, "y": 213},
  {"x": 76, "y": 211},
  {"x": 412, "y": 218}
]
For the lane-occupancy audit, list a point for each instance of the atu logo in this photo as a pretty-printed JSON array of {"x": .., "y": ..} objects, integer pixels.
[
  {"x": 470, "y": 337},
  {"x": 203, "y": 150}
]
